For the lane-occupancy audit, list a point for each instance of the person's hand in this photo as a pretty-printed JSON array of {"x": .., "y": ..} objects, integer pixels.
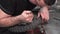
[
  {"x": 44, "y": 14},
  {"x": 27, "y": 16}
]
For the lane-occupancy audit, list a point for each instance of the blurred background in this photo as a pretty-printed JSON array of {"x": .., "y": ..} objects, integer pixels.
[{"x": 53, "y": 26}]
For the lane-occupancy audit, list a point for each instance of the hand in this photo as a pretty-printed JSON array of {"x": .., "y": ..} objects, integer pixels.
[
  {"x": 27, "y": 16},
  {"x": 44, "y": 14}
]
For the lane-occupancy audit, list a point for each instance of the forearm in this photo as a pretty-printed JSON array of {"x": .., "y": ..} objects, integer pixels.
[{"x": 10, "y": 21}]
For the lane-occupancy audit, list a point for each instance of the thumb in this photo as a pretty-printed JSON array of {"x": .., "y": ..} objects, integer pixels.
[
  {"x": 42, "y": 16},
  {"x": 39, "y": 15}
]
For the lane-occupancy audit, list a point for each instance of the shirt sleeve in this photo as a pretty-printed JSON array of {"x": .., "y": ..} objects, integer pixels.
[
  {"x": 8, "y": 6},
  {"x": 6, "y": 11}
]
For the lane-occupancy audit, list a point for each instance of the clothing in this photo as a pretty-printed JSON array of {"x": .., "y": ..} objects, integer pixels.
[{"x": 14, "y": 8}]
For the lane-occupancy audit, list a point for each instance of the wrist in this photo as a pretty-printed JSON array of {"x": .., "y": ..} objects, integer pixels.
[{"x": 20, "y": 17}]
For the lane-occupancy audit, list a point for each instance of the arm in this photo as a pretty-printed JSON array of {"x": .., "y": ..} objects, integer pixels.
[{"x": 7, "y": 20}]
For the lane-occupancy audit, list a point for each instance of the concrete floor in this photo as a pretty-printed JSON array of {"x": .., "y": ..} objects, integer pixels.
[{"x": 53, "y": 26}]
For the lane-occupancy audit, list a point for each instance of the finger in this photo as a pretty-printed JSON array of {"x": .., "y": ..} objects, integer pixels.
[
  {"x": 45, "y": 20},
  {"x": 42, "y": 16},
  {"x": 39, "y": 15},
  {"x": 29, "y": 20},
  {"x": 28, "y": 12}
]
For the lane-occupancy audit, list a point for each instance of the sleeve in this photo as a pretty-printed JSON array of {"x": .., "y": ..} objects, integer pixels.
[
  {"x": 6, "y": 11},
  {"x": 8, "y": 6}
]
